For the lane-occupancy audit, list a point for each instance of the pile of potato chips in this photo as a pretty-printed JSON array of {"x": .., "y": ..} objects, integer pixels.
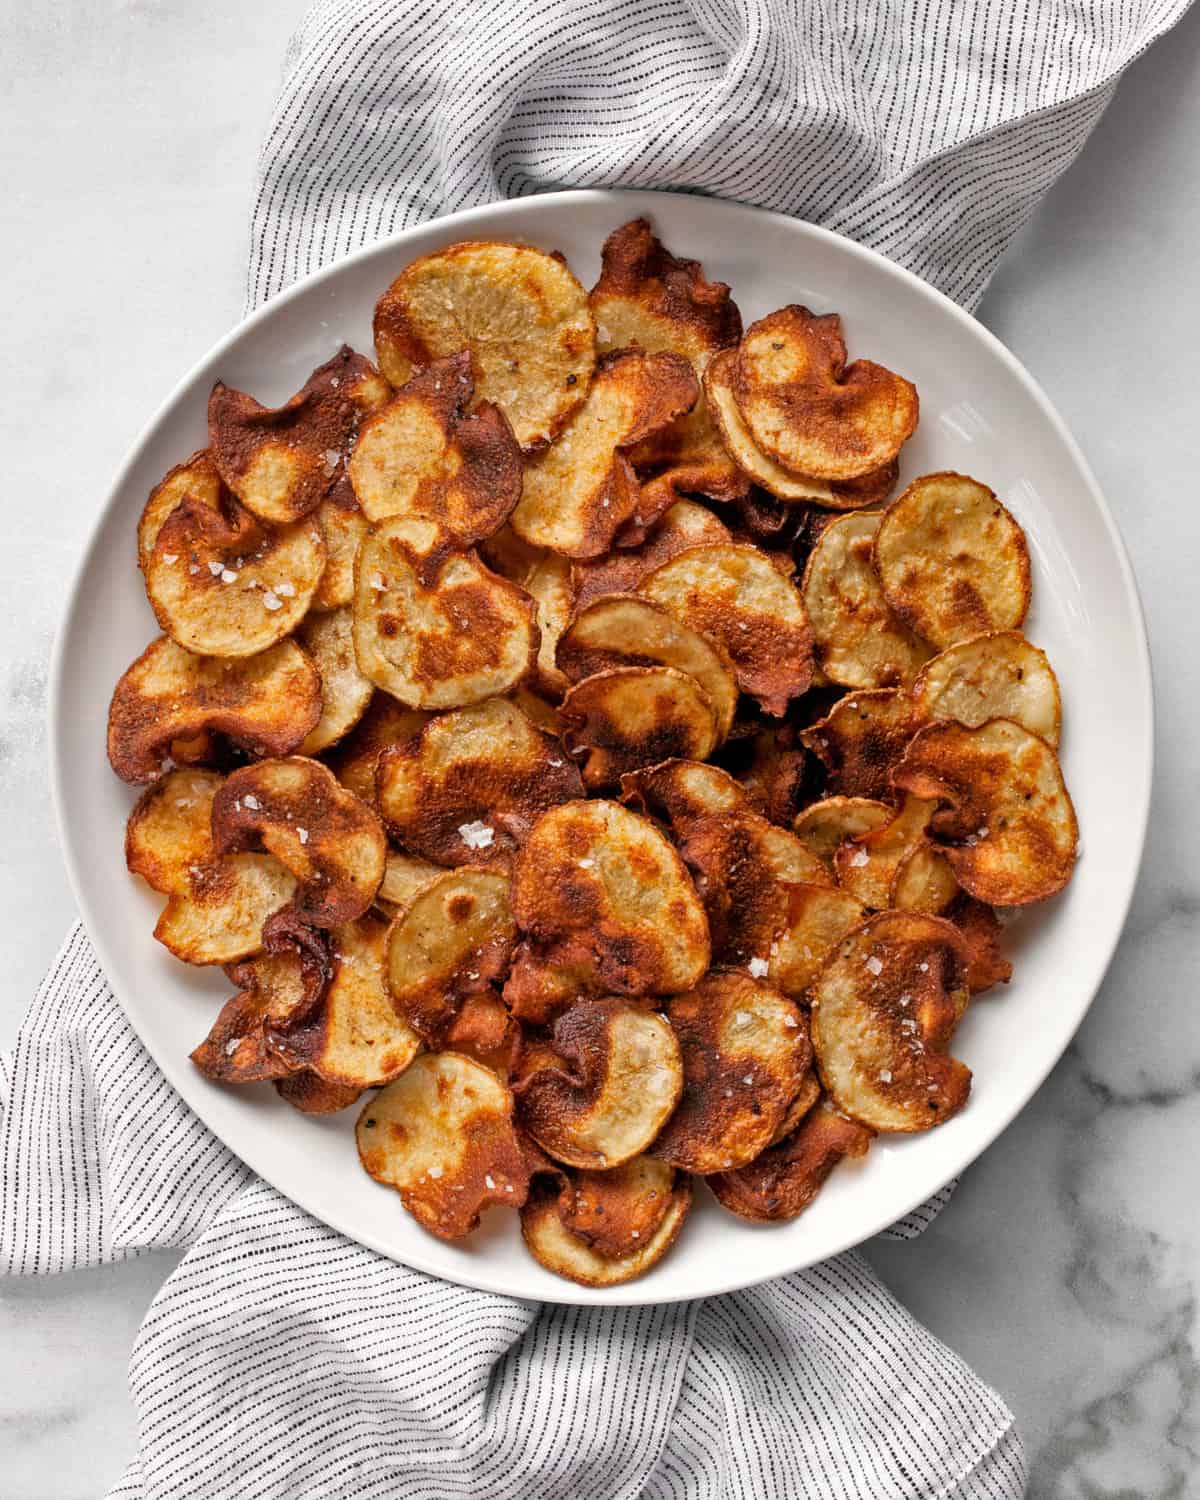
[{"x": 560, "y": 730}]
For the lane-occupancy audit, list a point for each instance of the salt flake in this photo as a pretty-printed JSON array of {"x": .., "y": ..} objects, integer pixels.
[
  {"x": 874, "y": 964},
  {"x": 476, "y": 835},
  {"x": 758, "y": 968}
]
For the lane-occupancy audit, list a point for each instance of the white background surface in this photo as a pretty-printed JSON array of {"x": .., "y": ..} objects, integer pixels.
[{"x": 1068, "y": 1266}]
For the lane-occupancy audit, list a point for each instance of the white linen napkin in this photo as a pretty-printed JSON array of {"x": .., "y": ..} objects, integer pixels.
[{"x": 281, "y": 1360}]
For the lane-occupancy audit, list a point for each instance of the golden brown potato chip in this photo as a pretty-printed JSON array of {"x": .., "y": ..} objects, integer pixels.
[
  {"x": 452, "y": 940},
  {"x": 994, "y": 676},
  {"x": 952, "y": 561},
  {"x": 613, "y": 1211},
  {"x": 469, "y": 787},
  {"x": 519, "y": 312},
  {"x": 345, "y": 692},
  {"x": 403, "y": 878},
  {"x": 432, "y": 625},
  {"x": 505, "y": 553},
  {"x": 857, "y": 640},
  {"x": 783, "y": 1181},
  {"x": 823, "y": 827},
  {"x": 815, "y": 919},
  {"x": 1009, "y": 830},
  {"x": 581, "y": 490},
  {"x": 624, "y": 631},
  {"x": 281, "y": 463},
  {"x": 313, "y": 1095},
  {"x": 745, "y": 1052},
  {"x": 925, "y": 882},
  {"x": 442, "y": 1135},
  {"x": 861, "y": 739},
  {"x": 884, "y": 1010},
  {"x": 923, "y": 879},
  {"x": 327, "y": 837},
  {"x": 421, "y": 456},
  {"x": 540, "y": 711},
  {"x": 620, "y": 571},
  {"x": 867, "y": 866},
  {"x": 684, "y": 790},
  {"x": 266, "y": 704},
  {"x": 343, "y": 527},
  {"x": 567, "y": 1254},
  {"x": 484, "y": 1030},
  {"x": 636, "y": 716},
  {"x": 807, "y": 409},
  {"x": 195, "y": 479},
  {"x": 551, "y": 585},
  {"x": 805, "y": 1100},
  {"x": 734, "y": 594},
  {"x": 385, "y": 723},
  {"x": 622, "y": 1081}
]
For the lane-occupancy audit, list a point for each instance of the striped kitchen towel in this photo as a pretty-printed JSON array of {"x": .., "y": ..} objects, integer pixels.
[{"x": 280, "y": 1360}]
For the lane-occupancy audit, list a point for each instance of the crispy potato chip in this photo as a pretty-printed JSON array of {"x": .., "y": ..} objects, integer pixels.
[
  {"x": 266, "y": 704},
  {"x": 452, "y": 940},
  {"x": 805, "y": 1100},
  {"x": 469, "y": 787},
  {"x": 505, "y": 553},
  {"x": 777, "y": 780},
  {"x": 432, "y": 625},
  {"x": 195, "y": 479},
  {"x": 636, "y": 716},
  {"x": 925, "y": 882},
  {"x": 815, "y": 920},
  {"x": 620, "y": 571},
  {"x": 857, "y": 640},
  {"x": 783, "y": 1181},
  {"x": 612, "y": 1211},
  {"x": 1009, "y": 830},
  {"x": 385, "y": 723},
  {"x": 519, "y": 312},
  {"x": 623, "y": 1080},
  {"x": 861, "y": 739},
  {"x": 684, "y": 790},
  {"x": 540, "y": 712},
  {"x": 808, "y": 410},
  {"x": 313, "y": 1095},
  {"x": 579, "y": 492},
  {"x": 345, "y": 692},
  {"x": 745, "y": 1052},
  {"x": 343, "y": 527},
  {"x": 952, "y": 561},
  {"x": 420, "y": 456},
  {"x": 552, "y": 587},
  {"x": 442, "y": 1135},
  {"x": 732, "y": 593},
  {"x": 568, "y": 1254},
  {"x": 327, "y": 837},
  {"x": 624, "y": 631},
  {"x": 823, "y": 827},
  {"x": 994, "y": 676},
  {"x": 403, "y": 878},
  {"x": 484, "y": 1030},
  {"x": 884, "y": 1010},
  {"x": 867, "y": 866},
  {"x": 772, "y": 524},
  {"x": 281, "y": 463}
]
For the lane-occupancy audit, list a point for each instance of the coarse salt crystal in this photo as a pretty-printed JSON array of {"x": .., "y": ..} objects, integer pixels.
[
  {"x": 252, "y": 802},
  {"x": 435, "y": 1172},
  {"x": 193, "y": 568},
  {"x": 232, "y": 1045},
  {"x": 490, "y": 1182},
  {"x": 635, "y": 1234},
  {"x": 742, "y": 625},
  {"x": 170, "y": 557},
  {"x": 586, "y": 864},
  {"x": 554, "y": 763},
  {"x": 982, "y": 833},
  {"x": 216, "y": 569},
  {"x": 874, "y": 964},
  {"x": 377, "y": 583},
  {"x": 742, "y": 1017},
  {"x": 924, "y": 968},
  {"x": 729, "y": 1093},
  {"x": 906, "y": 1000},
  {"x": 271, "y": 602},
  {"x": 476, "y": 835},
  {"x": 791, "y": 1022},
  {"x": 859, "y": 858},
  {"x": 758, "y": 968},
  {"x": 885, "y": 1076},
  {"x": 228, "y": 575},
  {"x": 332, "y": 458},
  {"x": 285, "y": 590},
  {"x": 302, "y": 835},
  {"x": 748, "y": 1080}
]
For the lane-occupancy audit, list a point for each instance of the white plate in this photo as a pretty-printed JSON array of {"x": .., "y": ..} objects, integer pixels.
[{"x": 981, "y": 413}]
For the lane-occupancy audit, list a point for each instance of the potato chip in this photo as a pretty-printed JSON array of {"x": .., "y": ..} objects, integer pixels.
[
  {"x": 432, "y": 625},
  {"x": 327, "y": 837},
  {"x": 484, "y": 1030},
  {"x": 884, "y": 1010},
  {"x": 266, "y": 704},
  {"x": 281, "y": 463},
  {"x": 777, "y": 780},
  {"x": 195, "y": 479},
  {"x": 636, "y": 716},
  {"x": 922, "y": 878},
  {"x": 622, "y": 1081},
  {"x": 745, "y": 1052},
  {"x": 925, "y": 882},
  {"x": 345, "y": 692},
  {"x": 823, "y": 827},
  {"x": 568, "y": 1254},
  {"x": 385, "y": 723},
  {"x": 994, "y": 676},
  {"x": 620, "y": 571},
  {"x": 552, "y": 587},
  {"x": 578, "y": 492},
  {"x": 684, "y": 790},
  {"x": 809, "y": 411},
  {"x": 519, "y": 312},
  {"x": 343, "y": 527},
  {"x": 539, "y": 710},
  {"x": 613, "y": 1211},
  {"x": 469, "y": 787},
  {"x": 623, "y": 631},
  {"x": 507, "y": 554},
  {"x": 783, "y": 1181},
  {"x": 815, "y": 918},
  {"x": 313, "y": 1095},
  {"x": 867, "y": 866},
  {"x": 453, "y": 939},
  {"x": 952, "y": 561},
  {"x": 1009, "y": 829},
  {"x": 801, "y": 1105},
  {"x": 403, "y": 878},
  {"x": 421, "y": 456},
  {"x": 442, "y": 1135},
  {"x": 732, "y": 593},
  {"x": 861, "y": 739}
]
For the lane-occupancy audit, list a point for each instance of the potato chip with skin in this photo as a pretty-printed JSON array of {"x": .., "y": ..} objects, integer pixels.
[
  {"x": 636, "y": 716},
  {"x": 265, "y": 704},
  {"x": 777, "y": 780},
  {"x": 810, "y": 411},
  {"x": 783, "y": 1181},
  {"x": 469, "y": 787},
  {"x": 998, "y": 675},
  {"x": 614, "y": 1211},
  {"x": 345, "y": 692},
  {"x": 952, "y": 561},
  {"x": 554, "y": 1246},
  {"x": 861, "y": 739},
  {"x": 195, "y": 479},
  {"x": 683, "y": 790},
  {"x": 925, "y": 882},
  {"x": 1006, "y": 826},
  {"x": 824, "y": 826},
  {"x": 867, "y": 866},
  {"x": 313, "y": 1095},
  {"x": 282, "y": 462},
  {"x": 328, "y": 838},
  {"x": 805, "y": 1100},
  {"x": 442, "y": 1135},
  {"x": 484, "y": 1030},
  {"x": 403, "y": 879},
  {"x": 507, "y": 554},
  {"x": 732, "y": 593},
  {"x": 745, "y": 1052},
  {"x": 420, "y": 455},
  {"x": 432, "y": 626},
  {"x": 581, "y": 490},
  {"x": 354, "y": 760},
  {"x": 620, "y": 570},
  {"x": 343, "y": 527},
  {"x": 884, "y": 1010},
  {"x": 815, "y": 918}
]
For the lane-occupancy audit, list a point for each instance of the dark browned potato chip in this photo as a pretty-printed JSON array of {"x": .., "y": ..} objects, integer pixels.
[
  {"x": 314, "y": 1095},
  {"x": 195, "y": 479},
  {"x": 868, "y": 865},
  {"x": 385, "y": 723},
  {"x": 345, "y": 692},
  {"x": 805, "y": 1100},
  {"x": 684, "y": 790},
  {"x": 484, "y": 1030},
  {"x": 281, "y": 462},
  {"x": 620, "y": 571},
  {"x": 1009, "y": 829},
  {"x": 568, "y": 1254},
  {"x": 952, "y": 561},
  {"x": 615, "y": 1211},
  {"x": 343, "y": 527},
  {"x": 265, "y": 703},
  {"x": 745, "y": 1052},
  {"x": 925, "y": 882},
  {"x": 807, "y": 409},
  {"x": 823, "y": 827},
  {"x": 634, "y": 717},
  {"x": 884, "y": 1010},
  {"x": 777, "y": 778},
  {"x": 442, "y": 1135},
  {"x": 861, "y": 739},
  {"x": 421, "y": 456},
  {"x": 469, "y": 787},
  {"x": 327, "y": 837},
  {"x": 783, "y": 1181},
  {"x": 993, "y": 676}
]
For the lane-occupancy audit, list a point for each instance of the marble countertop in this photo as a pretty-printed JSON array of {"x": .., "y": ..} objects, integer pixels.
[{"x": 1067, "y": 1268}]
